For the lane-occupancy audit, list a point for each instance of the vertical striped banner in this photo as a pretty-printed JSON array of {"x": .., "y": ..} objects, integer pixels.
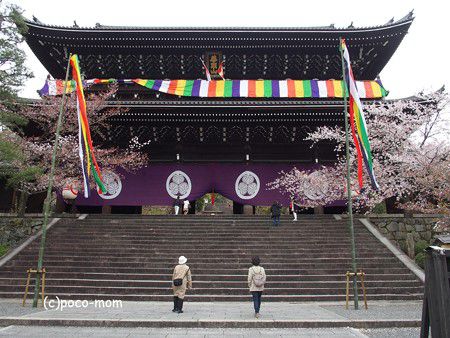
[
  {"x": 256, "y": 88},
  {"x": 203, "y": 88},
  {"x": 243, "y": 89},
  {"x": 228, "y": 90},
  {"x": 251, "y": 88},
  {"x": 196, "y": 88},
  {"x": 267, "y": 88},
  {"x": 220, "y": 88},
  {"x": 259, "y": 88},
  {"x": 368, "y": 88},
  {"x": 283, "y": 88},
  {"x": 236, "y": 89}
]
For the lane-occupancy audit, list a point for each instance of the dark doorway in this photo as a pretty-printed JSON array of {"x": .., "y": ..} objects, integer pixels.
[
  {"x": 126, "y": 209},
  {"x": 306, "y": 211},
  {"x": 238, "y": 208},
  {"x": 89, "y": 209},
  {"x": 335, "y": 210}
]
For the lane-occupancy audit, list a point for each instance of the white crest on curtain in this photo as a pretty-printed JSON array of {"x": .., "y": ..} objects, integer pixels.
[
  {"x": 247, "y": 185},
  {"x": 178, "y": 184}
]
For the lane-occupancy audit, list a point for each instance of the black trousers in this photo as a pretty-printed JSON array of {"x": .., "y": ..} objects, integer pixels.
[{"x": 256, "y": 300}]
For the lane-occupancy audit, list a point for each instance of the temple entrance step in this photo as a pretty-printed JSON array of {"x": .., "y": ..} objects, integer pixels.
[{"x": 132, "y": 257}]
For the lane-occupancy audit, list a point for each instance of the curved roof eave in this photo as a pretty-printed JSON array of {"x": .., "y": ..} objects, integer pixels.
[{"x": 135, "y": 29}]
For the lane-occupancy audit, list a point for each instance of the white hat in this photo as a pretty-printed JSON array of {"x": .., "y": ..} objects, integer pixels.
[{"x": 182, "y": 260}]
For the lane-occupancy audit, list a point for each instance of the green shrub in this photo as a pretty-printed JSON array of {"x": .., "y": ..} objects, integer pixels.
[
  {"x": 262, "y": 210},
  {"x": 155, "y": 210},
  {"x": 420, "y": 246},
  {"x": 3, "y": 249},
  {"x": 420, "y": 259},
  {"x": 380, "y": 208}
]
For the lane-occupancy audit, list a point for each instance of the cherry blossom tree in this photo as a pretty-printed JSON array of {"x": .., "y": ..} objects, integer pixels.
[
  {"x": 36, "y": 142},
  {"x": 411, "y": 159}
]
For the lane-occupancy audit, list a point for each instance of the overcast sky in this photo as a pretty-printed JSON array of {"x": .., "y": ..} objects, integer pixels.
[{"x": 421, "y": 62}]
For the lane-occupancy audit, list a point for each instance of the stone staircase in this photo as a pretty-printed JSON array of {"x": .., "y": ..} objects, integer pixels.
[{"x": 131, "y": 258}]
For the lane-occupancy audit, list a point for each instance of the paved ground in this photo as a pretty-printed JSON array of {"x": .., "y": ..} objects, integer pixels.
[
  {"x": 378, "y": 310},
  {"x": 142, "y": 312},
  {"x": 39, "y": 331}
]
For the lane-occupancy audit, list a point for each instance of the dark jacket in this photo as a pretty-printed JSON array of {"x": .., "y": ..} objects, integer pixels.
[
  {"x": 275, "y": 209},
  {"x": 178, "y": 203}
]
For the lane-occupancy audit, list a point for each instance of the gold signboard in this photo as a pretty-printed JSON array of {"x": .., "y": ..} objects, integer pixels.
[{"x": 213, "y": 61}]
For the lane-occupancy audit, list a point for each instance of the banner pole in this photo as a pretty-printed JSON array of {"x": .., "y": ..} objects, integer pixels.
[
  {"x": 51, "y": 178},
  {"x": 349, "y": 192}
]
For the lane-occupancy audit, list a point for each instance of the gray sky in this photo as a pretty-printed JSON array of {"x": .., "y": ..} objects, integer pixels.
[{"x": 421, "y": 62}]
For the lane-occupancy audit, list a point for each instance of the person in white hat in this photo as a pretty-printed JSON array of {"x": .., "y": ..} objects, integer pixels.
[{"x": 181, "y": 281}]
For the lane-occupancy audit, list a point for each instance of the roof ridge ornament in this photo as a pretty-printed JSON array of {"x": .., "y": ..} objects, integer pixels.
[
  {"x": 35, "y": 19},
  {"x": 408, "y": 16}
]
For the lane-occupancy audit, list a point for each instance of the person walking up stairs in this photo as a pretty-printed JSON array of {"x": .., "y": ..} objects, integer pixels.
[
  {"x": 181, "y": 281},
  {"x": 256, "y": 281}
]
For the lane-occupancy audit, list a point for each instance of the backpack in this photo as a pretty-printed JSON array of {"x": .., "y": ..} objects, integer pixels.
[{"x": 259, "y": 279}]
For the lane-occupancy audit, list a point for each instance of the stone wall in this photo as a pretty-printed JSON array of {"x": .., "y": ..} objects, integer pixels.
[
  {"x": 15, "y": 230},
  {"x": 399, "y": 228}
]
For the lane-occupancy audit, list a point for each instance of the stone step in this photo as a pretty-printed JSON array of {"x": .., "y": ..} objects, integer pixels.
[
  {"x": 270, "y": 284},
  {"x": 126, "y": 290},
  {"x": 217, "y": 243},
  {"x": 167, "y": 297},
  {"x": 126, "y": 270},
  {"x": 239, "y": 227},
  {"x": 190, "y": 219},
  {"x": 6, "y": 275},
  {"x": 190, "y": 222},
  {"x": 273, "y": 233},
  {"x": 241, "y": 252},
  {"x": 201, "y": 259},
  {"x": 131, "y": 258},
  {"x": 205, "y": 324},
  {"x": 140, "y": 235},
  {"x": 227, "y": 246},
  {"x": 226, "y": 229},
  {"x": 367, "y": 264}
]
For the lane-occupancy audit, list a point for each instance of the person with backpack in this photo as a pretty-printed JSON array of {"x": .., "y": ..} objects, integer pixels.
[
  {"x": 181, "y": 281},
  {"x": 275, "y": 210},
  {"x": 256, "y": 281}
]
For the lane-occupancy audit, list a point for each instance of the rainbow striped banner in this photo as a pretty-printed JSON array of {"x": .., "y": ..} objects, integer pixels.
[
  {"x": 262, "y": 88},
  {"x": 85, "y": 147},
  {"x": 56, "y": 87},
  {"x": 236, "y": 88},
  {"x": 358, "y": 124}
]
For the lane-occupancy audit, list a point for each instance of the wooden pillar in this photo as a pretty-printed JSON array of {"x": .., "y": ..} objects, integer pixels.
[
  {"x": 436, "y": 306},
  {"x": 248, "y": 209},
  {"x": 318, "y": 210},
  {"x": 106, "y": 209}
]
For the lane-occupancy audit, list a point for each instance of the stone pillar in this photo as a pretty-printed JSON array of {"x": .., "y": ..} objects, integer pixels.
[
  {"x": 106, "y": 209},
  {"x": 410, "y": 245},
  {"x": 318, "y": 210},
  {"x": 248, "y": 209}
]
